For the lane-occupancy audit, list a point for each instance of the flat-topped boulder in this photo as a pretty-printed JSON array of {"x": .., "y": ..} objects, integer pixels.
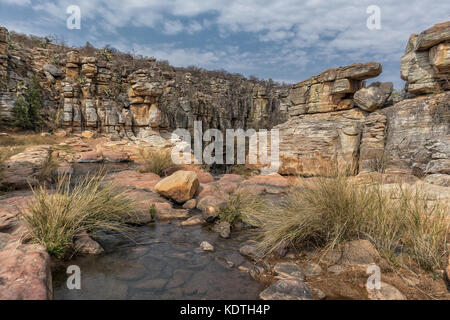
[{"x": 332, "y": 90}]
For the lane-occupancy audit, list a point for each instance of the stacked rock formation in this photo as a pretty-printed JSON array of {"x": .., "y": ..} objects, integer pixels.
[
  {"x": 134, "y": 98},
  {"x": 426, "y": 63},
  {"x": 332, "y": 90}
]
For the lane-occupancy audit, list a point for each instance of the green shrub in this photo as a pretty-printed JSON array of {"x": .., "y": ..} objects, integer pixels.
[
  {"x": 27, "y": 107},
  {"x": 55, "y": 217}
]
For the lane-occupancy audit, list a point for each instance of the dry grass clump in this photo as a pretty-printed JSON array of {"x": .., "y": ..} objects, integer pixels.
[
  {"x": 156, "y": 161},
  {"x": 55, "y": 217},
  {"x": 239, "y": 205},
  {"x": 327, "y": 211}
]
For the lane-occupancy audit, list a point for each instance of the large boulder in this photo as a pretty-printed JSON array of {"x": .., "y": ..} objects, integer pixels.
[
  {"x": 314, "y": 144},
  {"x": 180, "y": 186},
  {"x": 374, "y": 96},
  {"x": 25, "y": 273}
]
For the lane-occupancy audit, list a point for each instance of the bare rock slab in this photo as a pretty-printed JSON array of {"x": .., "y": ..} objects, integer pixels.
[{"x": 287, "y": 289}]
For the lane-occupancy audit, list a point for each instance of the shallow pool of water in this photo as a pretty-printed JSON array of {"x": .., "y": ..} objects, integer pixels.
[{"x": 166, "y": 263}]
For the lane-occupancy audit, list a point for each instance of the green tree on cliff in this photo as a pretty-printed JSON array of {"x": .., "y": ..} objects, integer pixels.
[{"x": 27, "y": 107}]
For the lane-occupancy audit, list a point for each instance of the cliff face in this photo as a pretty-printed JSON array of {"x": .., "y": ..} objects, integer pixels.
[
  {"x": 129, "y": 97},
  {"x": 330, "y": 121},
  {"x": 335, "y": 122}
]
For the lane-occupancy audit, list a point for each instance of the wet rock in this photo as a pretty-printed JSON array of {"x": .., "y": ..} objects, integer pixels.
[
  {"x": 210, "y": 206},
  {"x": 224, "y": 229},
  {"x": 84, "y": 244},
  {"x": 287, "y": 289},
  {"x": 131, "y": 272},
  {"x": 192, "y": 221},
  {"x": 312, "y": 269},
  {"x": 190, "y": 204},
  {"x": 25, "y": 274},
  {"x": 151, "y": 284},
  {"x": 180, "y": 186},
  {"x": 249, "y": 249},
  {"x": 206, "y": 246},
  {"x": 289, "y": 270},
  {"x": 115, "y": 156},
  {"x": 89, "y": 157},
  {"x": 386, "y": 292}
]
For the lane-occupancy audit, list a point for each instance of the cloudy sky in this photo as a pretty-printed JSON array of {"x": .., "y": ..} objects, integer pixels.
[{"x": 286, "y": 40}]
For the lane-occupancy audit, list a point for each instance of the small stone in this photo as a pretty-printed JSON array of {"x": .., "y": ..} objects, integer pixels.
[
  {"x": 318, "y": 294},
  {"x": 336, "y": 269},
  {"x": 206, "y": 246},
  {"x": 287, "y": 289},
  {"x": 84, "y": 244},
  {"x": 386, "y": 292},
  {"x": 224, "y": 229},
  {"x": 192, "y": 221},
  {"x": 289, "y": 270},
  {"x": 190, "y": 204},
  {"x": 312, "y": 269},
  {"x": 249, "y": 250}
]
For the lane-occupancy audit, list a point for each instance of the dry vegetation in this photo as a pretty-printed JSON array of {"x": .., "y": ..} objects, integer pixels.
[
  {"x": 156, "y": 161},
  {"x": 329, "y": 211},
  {"x": 55, "y": 217}
]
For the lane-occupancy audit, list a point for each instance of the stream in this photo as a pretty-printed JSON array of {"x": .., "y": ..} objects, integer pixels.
[
  {"x": 165, "y": 264},
  {"x": 161, "y": 260}
]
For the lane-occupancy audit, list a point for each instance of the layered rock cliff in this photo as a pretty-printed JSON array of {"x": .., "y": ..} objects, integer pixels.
[
  {"x": 330, "y": 121},
  {"x": 132, "y": 97}
]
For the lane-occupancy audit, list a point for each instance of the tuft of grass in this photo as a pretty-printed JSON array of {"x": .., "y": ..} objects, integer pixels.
[
  {"x": 55, "y": 217},
  {"x": 324, "y": 212},
  {"x": 48, "y": 168},
  {"x": 240, "y": 204},
  {"x": 156, "y": 161}
]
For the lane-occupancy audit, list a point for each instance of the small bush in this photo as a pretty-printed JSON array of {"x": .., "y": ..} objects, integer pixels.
[
  {"x": 27, "y": 107},
  {"x": 55, "y": 217},
  {"x": 156, "y": 161},
  {"x": 329, "y": 211}
]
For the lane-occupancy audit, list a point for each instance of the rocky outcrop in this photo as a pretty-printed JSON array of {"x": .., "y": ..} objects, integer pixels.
[
  {"x": 131, "y": 97},
  {"x": 332, "y": 90},
  {"x": 426, "y": 62},
  {"x": 320, "y": 143}
]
